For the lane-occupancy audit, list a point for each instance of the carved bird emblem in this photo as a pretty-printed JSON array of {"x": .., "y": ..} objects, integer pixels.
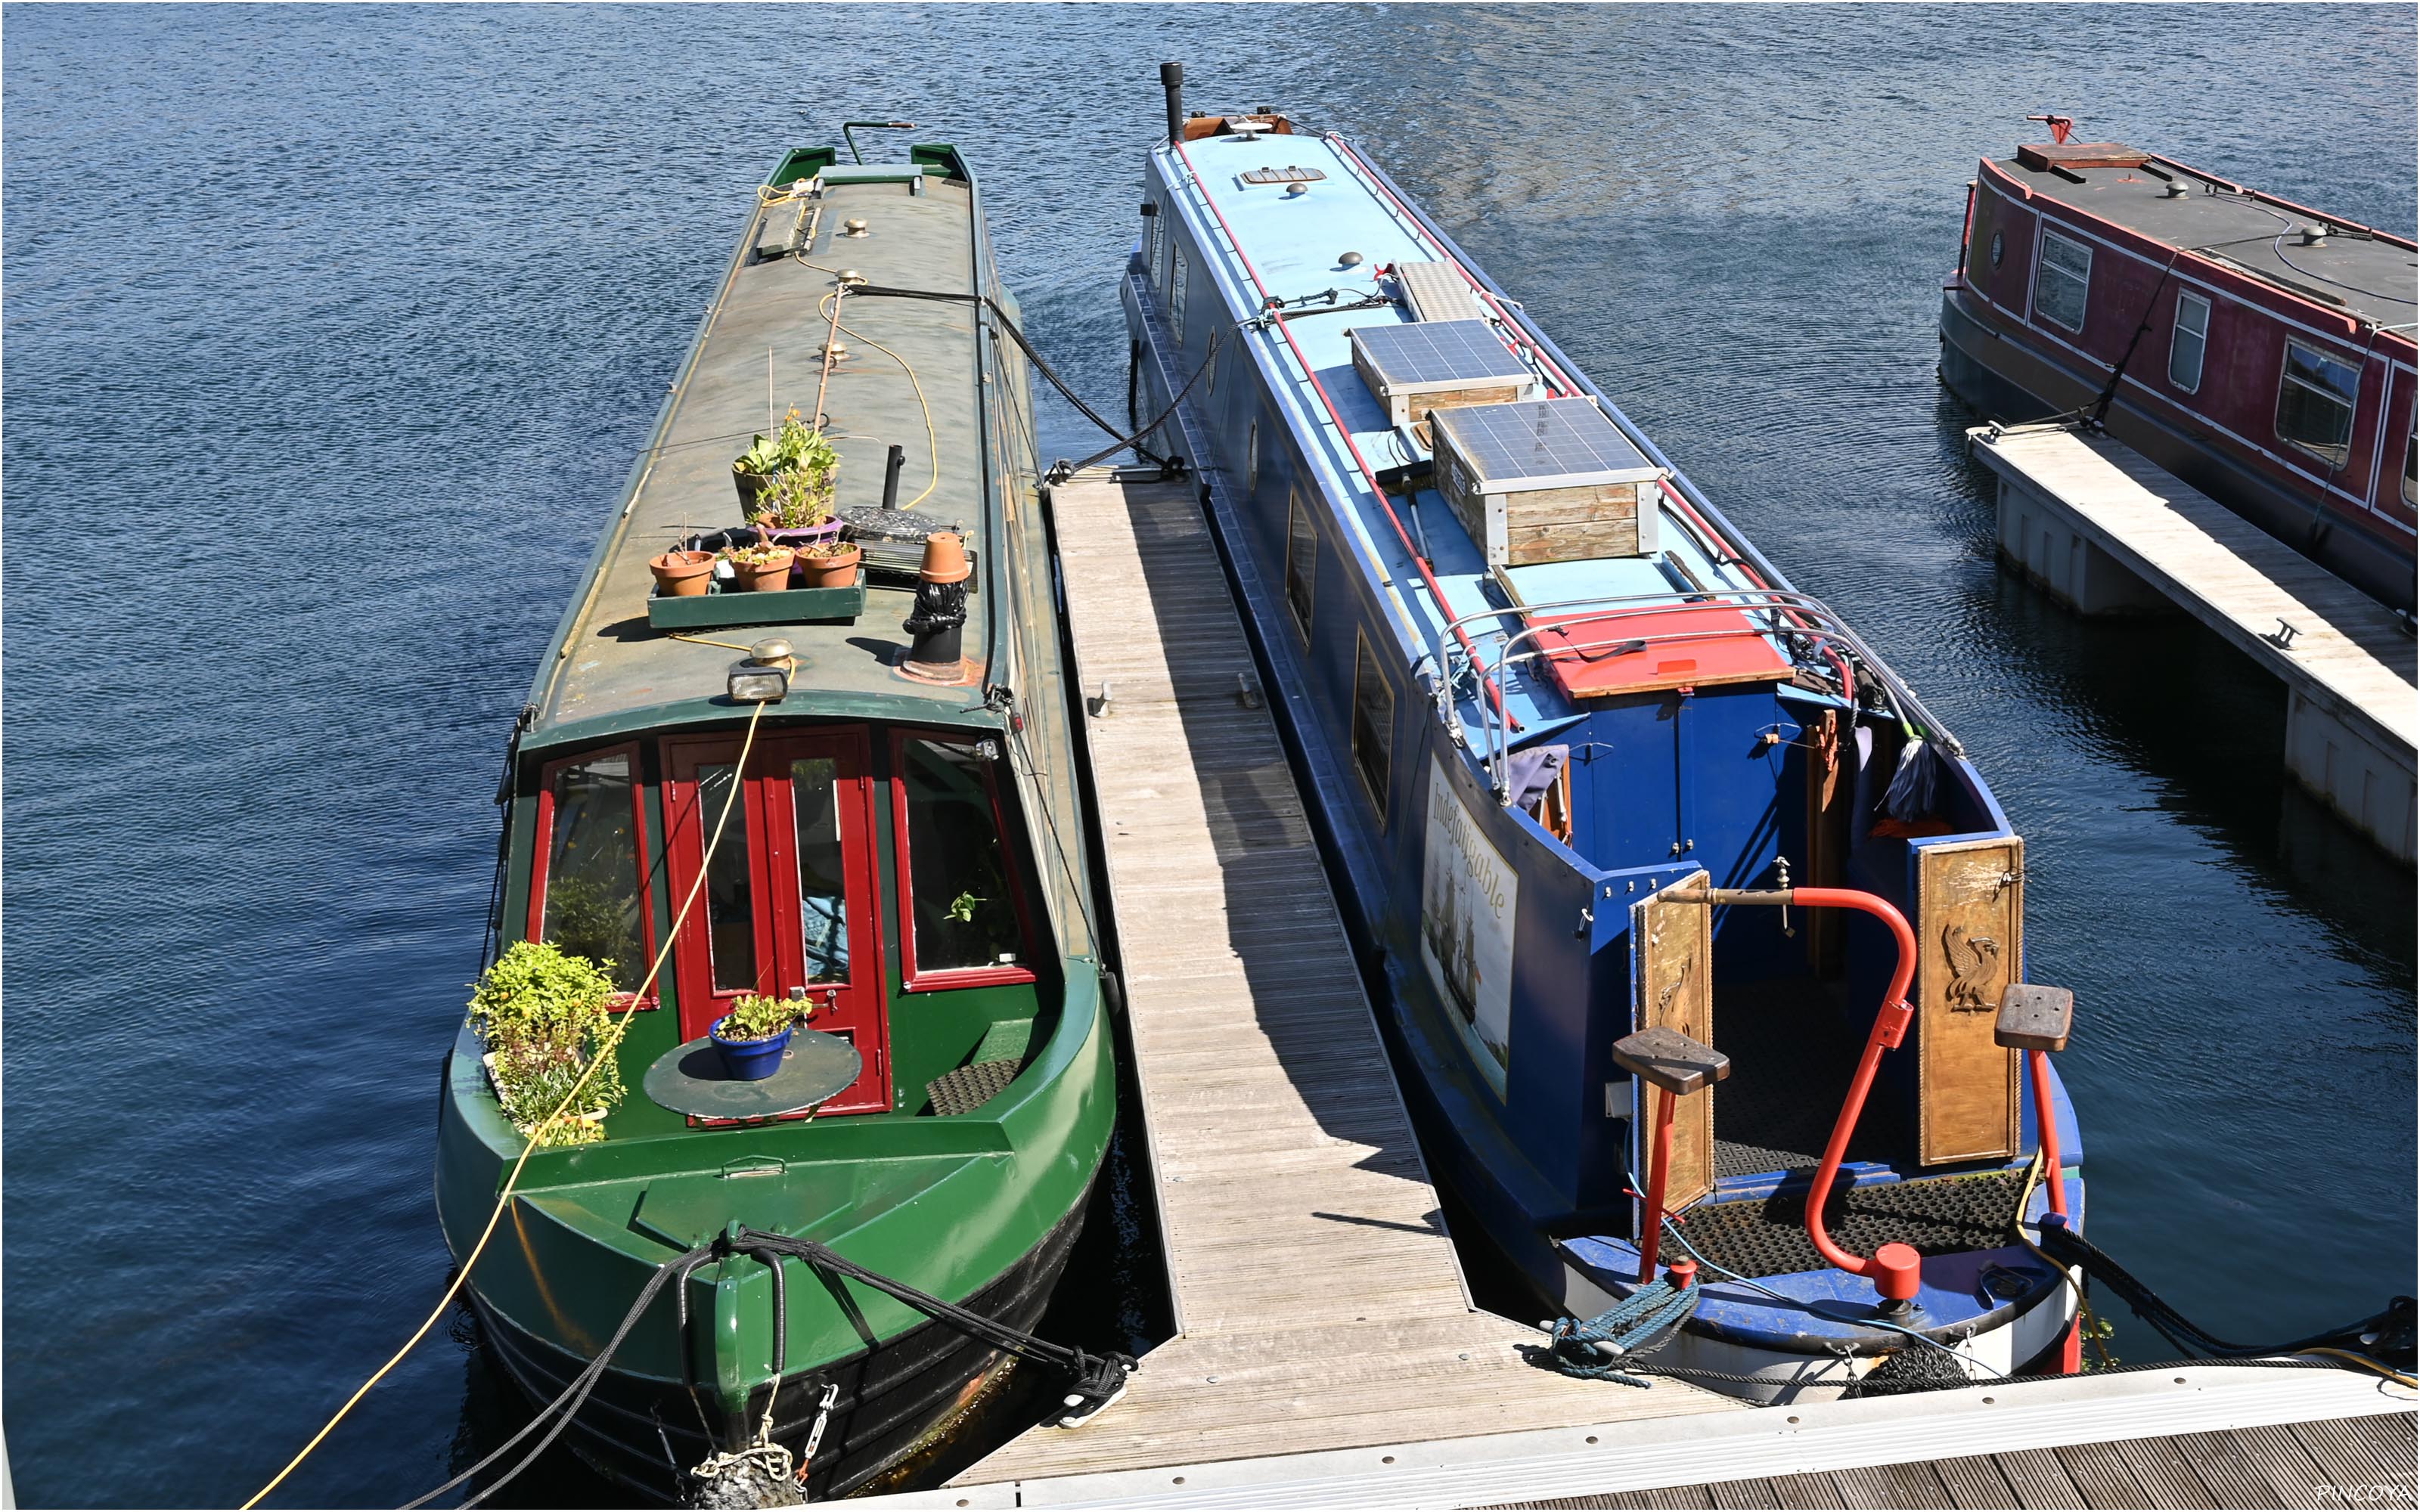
[{"x": 1973, "y": 959}]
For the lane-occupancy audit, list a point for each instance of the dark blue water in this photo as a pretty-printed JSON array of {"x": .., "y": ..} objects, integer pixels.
[{"x": 331, "y": 333}]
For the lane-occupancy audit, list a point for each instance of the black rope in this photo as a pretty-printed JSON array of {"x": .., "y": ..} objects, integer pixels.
[
  {"x": 567, "y": 1403},
  {"x": 1041, "y": 363},
  {"x": 2386, "y": 1336},
  {"x": 2101, "y": 406},
  {"x": 1099, "y": 1378},
  {"x": 1062, "y": 470}
]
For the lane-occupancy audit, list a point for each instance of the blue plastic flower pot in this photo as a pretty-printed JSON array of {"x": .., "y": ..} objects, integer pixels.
[{"x": 748, "y": 1060}]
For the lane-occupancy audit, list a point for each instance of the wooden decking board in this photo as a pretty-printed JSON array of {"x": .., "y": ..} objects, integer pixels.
[
  {"x": 1974, "y": 1481},
  {"x": 1318, "y": 1293},
  {"x": 2102, "y": 1474},
  {"x": 2228, "y": 573},
  {"x": 2358, "y": 1451},
  {"x": 1892, "y": 1485},
  {"x": 2038, "y": 1479},
  {"x": 2233, "y": 1478}
]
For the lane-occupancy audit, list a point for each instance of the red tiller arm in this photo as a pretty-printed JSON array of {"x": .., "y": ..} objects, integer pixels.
[{"x": 1893, "y": 1267}]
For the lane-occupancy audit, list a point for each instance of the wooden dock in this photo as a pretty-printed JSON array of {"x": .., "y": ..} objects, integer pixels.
[
  {"x": 2109, "y": 532},
  {"x": 2342, "y": 1462},
  {"x": 1318, "y": 1299}
]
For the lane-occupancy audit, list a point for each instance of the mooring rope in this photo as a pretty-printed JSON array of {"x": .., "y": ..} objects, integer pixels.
[{"x": 512, "y": 1179}]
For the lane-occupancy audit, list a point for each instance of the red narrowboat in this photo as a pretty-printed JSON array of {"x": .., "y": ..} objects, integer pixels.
[{"x": 2260, "y": 350}]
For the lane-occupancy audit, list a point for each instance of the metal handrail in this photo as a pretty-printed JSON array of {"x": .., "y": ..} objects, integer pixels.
[{"x": 1780, "y": 603}]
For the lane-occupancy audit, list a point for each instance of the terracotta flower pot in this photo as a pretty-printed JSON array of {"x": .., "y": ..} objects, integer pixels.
[
  {"x": 945, "y": 558},
  {"x": 682, "y": 573},
  {"x": 764, "y": 578},
  {"x": 837, "y": 571}
]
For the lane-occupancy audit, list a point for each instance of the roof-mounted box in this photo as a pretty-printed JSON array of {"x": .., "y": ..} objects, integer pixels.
[
  {"x": 1546, "y": 480},
  {"x": 1431, "y": 364}
]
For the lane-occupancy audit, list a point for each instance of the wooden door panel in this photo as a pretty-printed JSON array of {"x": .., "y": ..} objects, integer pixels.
[
  {"x": 1672, "y": 954},
  {"x": 1970, "y": 943}
]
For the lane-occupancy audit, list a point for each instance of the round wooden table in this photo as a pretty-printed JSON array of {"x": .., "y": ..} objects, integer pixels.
[{"x": 817, "y": 1068}]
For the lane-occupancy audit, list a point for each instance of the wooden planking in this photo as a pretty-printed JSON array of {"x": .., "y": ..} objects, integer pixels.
[
  {"x": 2342, "y": 1462},
  {"x": 1319, "y": 1302},
  {"x": 2228, "y": 573}
]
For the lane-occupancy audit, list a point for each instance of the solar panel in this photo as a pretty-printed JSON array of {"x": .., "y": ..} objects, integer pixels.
[
  {"x": 1440, "y": 354},
  {"x": 1541, "y": 443}
]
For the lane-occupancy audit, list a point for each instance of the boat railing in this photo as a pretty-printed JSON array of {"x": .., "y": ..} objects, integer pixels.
[{"x": 1799, "y": 619}]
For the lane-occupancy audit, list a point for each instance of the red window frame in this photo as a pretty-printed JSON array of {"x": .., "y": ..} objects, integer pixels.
[
  {"x": 543, "y": 850},
  {"x": 765, "y": 807},
  {"x": 910, "y": 980}
]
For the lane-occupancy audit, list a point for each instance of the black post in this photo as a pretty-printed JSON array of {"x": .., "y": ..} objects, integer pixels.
[
  {"x": 1171, "y": 78},
  {"x": 891, "y": 467},
  {"x": 938, "y": 621}
]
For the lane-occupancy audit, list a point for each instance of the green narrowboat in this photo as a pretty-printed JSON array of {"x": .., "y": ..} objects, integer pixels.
[{"x": 905, "y": 855}]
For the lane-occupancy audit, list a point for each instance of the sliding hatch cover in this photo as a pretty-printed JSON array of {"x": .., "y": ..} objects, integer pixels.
[{"x": 1672, "y": 951}]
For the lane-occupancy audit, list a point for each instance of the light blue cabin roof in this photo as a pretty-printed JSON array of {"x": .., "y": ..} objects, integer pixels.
[{"x": 1264, "y": 245}]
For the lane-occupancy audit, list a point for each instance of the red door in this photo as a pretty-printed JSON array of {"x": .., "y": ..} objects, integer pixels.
[{"x": 787, "y": 909}]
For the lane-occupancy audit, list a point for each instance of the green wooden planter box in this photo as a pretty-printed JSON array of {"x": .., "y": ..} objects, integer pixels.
[{"x": 795, "y": 606}]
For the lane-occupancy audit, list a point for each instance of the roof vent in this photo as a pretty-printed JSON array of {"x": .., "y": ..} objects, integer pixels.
[{"x": 2176, "y": 190}]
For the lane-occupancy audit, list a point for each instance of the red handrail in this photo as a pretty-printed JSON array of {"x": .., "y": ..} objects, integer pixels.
[
  {"x": 2046, "y": 1120},
  {"x": 1893, "y": 1267},
  {"x": 1436, "y": 591}
]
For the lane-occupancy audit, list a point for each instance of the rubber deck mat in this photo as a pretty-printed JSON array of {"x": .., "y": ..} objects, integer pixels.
[
  {"x": 1938, "y": 1214},
  {"x": 969, "y": 1087},
  {"x": 1791, "y": 1056}
]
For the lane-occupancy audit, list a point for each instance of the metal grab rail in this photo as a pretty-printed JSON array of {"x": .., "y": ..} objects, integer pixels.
[
  {"x": 1806, "y": 615},
  {"x": 1894, "y": 1268}
]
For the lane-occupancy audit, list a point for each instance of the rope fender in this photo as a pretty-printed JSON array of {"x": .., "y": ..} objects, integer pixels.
[{"x": 1640, "y": 1323}]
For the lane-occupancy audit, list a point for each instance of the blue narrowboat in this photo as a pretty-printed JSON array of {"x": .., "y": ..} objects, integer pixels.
[{"x": 1682, "y": 902}]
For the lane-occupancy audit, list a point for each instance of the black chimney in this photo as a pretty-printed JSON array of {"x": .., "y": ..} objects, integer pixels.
[{"x": 1171, "y": 78}]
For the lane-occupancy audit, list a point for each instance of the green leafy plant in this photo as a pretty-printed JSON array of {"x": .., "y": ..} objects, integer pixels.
[
  {"x": 797, "y": 498},
  {"x": 752, "y": 1017},
  {"x": 541, "y": 1014},
  {"x": 962, "y": 907},
  {"x": 793, "y": 444}
]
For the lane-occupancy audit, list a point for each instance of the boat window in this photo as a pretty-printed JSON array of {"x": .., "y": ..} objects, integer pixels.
[
  {"x": 822, "y": 882},
  {"x": 2315, "y": 400},
  {"x": 591, "y": 886},
  {"x": 1302, "y": 562},
  {"x": 2062, "y": 281},
  {"x": 2412, "y": 467},
  {"x": 730, "y": 886},
  {"x": 1373, "y": 722},
  {"x": 1150, "y": 258},
  {"x": 1251, "y": 460},
  {"x": 2188, "y": 342},
  {"x": 1177, "y": 292},
  {"x": 964, "y": 918}
]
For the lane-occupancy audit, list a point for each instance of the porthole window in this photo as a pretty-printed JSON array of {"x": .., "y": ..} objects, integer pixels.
[
  {"x": 1252, "y": 459},
  {"x": 1999, "y": 247},
  {"x": 2063, "y": 280}
]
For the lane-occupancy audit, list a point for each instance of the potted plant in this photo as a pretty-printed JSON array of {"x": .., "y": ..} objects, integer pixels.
[
  {"x": 682, "y": 573},
  {"x": 796, "y": 508},
  {"x": 830, "y": 563},
  {"x": 760, "y": 566},
  {"x": 754, "y": 1036},
  {"x": 542, "y": 1015},
  {"x": 794, "y": 446}
]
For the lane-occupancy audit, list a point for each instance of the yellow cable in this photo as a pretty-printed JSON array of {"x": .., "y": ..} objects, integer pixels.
[
  {"x": 932, "y": 441},
  {"x": 505, "y": 1198},
  {"x": 2367, "y": 1363},
  {"x": 710, "y": 641}
]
